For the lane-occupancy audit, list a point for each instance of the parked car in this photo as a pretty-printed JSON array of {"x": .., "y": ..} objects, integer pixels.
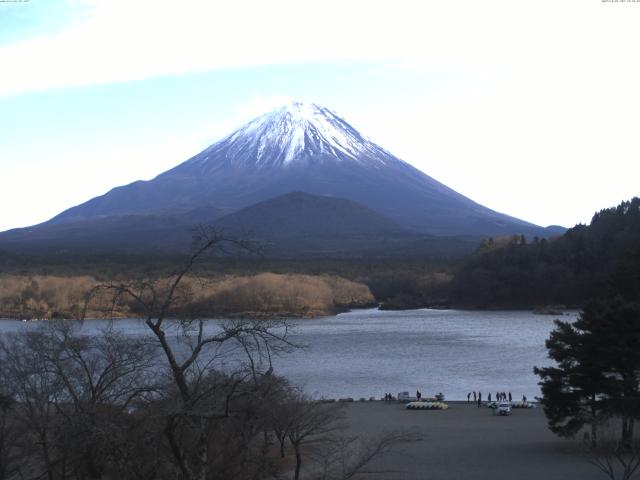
[
  {"x": 406, "y": 397},
  {"x": 503, "y": 408}
]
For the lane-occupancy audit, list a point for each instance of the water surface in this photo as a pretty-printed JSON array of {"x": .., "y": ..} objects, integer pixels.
[{"x": 369, "y": 352}]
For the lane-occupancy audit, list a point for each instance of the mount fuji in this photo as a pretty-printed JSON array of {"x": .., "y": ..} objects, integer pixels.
[{"x": 299, "y": 147}]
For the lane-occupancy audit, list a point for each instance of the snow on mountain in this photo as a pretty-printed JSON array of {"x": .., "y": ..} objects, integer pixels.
[{"x": 294, "y": 133}]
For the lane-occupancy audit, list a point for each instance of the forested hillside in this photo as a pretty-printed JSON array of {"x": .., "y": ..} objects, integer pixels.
[{"x": 588, "y": 261}]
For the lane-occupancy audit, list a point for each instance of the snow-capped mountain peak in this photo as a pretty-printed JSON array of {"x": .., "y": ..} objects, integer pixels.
[
  {"x": 295, "y": 133},
  {"x": 301, "y": 147}
]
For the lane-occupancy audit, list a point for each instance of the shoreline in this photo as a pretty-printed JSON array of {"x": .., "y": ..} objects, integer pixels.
[
  {"x": 226, "y": 316},
  {"x": 536, "y": 309},
  {"x": 308, "y": 315}
]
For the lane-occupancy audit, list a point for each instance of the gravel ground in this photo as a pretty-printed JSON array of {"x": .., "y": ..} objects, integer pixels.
[{"x": 466, "y": 443}]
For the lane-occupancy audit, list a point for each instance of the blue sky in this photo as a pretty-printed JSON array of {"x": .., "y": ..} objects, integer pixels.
[{"x": 528, "y": 109}]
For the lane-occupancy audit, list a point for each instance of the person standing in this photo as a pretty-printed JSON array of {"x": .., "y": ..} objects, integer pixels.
[
  {"x": 474, "y": 396},
  {"x": 510, "y": 398},
  {"x": 489, "y": 397},
  {"x": 468, "y": 397},
  {"x": 479, "y": 399}
]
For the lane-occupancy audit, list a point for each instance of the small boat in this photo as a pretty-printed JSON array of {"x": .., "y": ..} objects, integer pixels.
[{"x": 426, "y": 406}]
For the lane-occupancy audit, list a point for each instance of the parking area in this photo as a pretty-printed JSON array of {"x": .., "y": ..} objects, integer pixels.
[{"x": 466, "y": 442}]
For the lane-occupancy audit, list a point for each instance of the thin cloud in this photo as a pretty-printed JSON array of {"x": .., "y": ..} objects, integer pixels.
[
  {"x": 121, "y": 41},
  {"x": 126, "y": 41}
]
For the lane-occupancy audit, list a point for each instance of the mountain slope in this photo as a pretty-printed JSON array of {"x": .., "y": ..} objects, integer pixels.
[
  {"x": 303, "y": 147},
  {"x": 301, "y": 225},
  {"x": 123, "y": 233},
  {"x": 302, "y": 214},
  {"x": 294, "y": 225}
]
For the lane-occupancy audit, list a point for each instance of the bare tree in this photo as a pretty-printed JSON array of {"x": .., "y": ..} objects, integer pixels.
[
  {"x": 203, "y": 399},
  {"x": 615, "y": 458},
  {"x": 102, "y": 376},
  {"x": 9, "y": 436},
  {"x": 69, "y": 391},
  {"x": 311, "y": 424},
  {"x": 348, "y": 456},
  {"x": 36, "y": 391}
]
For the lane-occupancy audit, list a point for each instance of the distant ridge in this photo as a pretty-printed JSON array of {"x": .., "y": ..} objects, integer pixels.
[
  {"x": 299, "y": 213},
  {"x": 299, "y": 224}
]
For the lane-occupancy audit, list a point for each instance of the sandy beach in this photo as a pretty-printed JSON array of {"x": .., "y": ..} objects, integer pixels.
[{"x": 466, "y": 442}]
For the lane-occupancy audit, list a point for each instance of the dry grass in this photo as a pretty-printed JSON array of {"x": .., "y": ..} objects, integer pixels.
[
  {"x": 286, "y": 295},
  {"x": 43, "y": 296},
  {"x": 264, "y": 294}
]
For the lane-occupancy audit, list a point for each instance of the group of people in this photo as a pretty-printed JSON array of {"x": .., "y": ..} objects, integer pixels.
[
  {"x": 389, "y": 398},
  {"x": 500, "y": 396}
]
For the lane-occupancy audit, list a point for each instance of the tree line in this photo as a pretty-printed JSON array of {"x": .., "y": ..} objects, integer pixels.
[{"x": 598, "y": 260}]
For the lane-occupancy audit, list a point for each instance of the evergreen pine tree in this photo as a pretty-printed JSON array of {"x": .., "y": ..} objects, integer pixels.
[{"x": 597, "y": 372}]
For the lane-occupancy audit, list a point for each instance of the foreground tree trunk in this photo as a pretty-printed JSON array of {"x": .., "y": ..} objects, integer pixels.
[
  {"x": 298, "y": 461},
  {"x": 627, "y": 431},
  {"x": 282, "y": 440},
  {"x": 594, "y": 428},
  {"x": 203, "y": 446}
]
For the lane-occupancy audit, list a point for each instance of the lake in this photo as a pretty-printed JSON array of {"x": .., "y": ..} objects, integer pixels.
[{"x": 369, "y": 352}]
